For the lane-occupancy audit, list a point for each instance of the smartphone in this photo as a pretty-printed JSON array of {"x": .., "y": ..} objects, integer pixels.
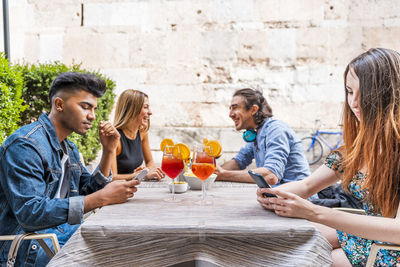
[
  {"x": 260, "y": 181},
  {"x": 142, "y": 174}
]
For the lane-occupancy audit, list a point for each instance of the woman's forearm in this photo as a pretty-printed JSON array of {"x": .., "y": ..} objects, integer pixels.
[{"x": 369, "y": 227}]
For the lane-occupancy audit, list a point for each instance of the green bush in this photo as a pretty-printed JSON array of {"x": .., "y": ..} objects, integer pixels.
[
  {"x": 37, "y": 81},
  {"x": 10, "y": 98}
]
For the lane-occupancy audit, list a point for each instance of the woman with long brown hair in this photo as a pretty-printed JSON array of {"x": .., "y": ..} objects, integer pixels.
[
  {"x": 132, "y": 120},
  {"x": 368, "y": 164}
]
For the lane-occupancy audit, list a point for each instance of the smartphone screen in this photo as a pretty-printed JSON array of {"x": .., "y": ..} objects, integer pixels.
[
  {"x": 142, "y": 175},
  {"x": 260, "y": 181}
]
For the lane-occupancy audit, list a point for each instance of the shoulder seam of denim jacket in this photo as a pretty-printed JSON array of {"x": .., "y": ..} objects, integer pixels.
[
  {"x": 38, "y": 147},
  {"x": 32, "y": 131},
  {"x": 6, "y": 147}
]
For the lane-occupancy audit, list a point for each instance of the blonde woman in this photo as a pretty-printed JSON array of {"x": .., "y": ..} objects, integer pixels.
[
  {"x": 132, "y": 120},
  {"x": 367, "y": 164}
]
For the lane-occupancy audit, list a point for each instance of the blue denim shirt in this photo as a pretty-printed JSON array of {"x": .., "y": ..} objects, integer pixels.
[
  {"x": 30, "y": 171},
  {"x": 279, "y": 150}
]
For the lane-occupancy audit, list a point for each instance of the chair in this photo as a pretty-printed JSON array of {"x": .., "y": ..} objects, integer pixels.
[
  {"x": 16, "y": 240},
  {"x": 375, "y": 247}
]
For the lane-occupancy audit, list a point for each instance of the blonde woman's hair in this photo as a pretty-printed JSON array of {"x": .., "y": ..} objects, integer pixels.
[
  {"x": 374, "y": 140},
  {"x": 129, "y": 106}
]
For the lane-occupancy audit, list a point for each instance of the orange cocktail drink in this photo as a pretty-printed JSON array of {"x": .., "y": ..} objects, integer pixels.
[{"x": 203, "y": 165}]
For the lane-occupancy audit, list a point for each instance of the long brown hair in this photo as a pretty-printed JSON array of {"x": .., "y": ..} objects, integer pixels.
[
  {"x": 374, "y": 141},
  {"x": 129, "y": 106}
]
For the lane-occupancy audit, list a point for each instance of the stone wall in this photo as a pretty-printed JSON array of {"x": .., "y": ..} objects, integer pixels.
[{"x": 189, "y": 56}]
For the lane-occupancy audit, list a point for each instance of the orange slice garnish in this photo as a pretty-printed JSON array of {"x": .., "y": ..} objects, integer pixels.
[
  {"x": 181, "y": 151},
  {"x": 166, "y": 142},
  {"x": 216, "y": 148}
]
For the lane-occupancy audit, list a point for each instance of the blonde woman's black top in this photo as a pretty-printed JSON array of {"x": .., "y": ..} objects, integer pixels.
[{"x": 131, "y": 155}]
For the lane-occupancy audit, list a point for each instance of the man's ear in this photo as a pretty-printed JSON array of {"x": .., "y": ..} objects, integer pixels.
[
  {"x": 254, "y": 109},
  {"x": 59, "y": 104}
]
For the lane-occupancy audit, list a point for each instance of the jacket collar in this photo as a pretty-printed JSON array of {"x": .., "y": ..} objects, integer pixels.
[{"x": 51, "y": 131}]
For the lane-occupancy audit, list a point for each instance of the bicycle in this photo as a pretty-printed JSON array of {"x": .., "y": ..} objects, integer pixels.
[{"x": 313, "y": 148}]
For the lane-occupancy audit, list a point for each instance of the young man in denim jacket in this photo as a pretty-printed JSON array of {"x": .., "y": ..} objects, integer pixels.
[
  {"x": 43, "y": 185},
  {"x": 272, "y": 143}
]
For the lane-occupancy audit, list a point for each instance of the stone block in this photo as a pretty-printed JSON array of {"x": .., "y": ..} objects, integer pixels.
[
  {"x": 173, "y": 75},
  {"x": 217, "y": 46},
  {"x": 289, "y": 10},
  {"x": 182, "y": 15},
  {"x": 182, "y": 47},
  {"x": 319, "y": 74},
  {"x": 391, "y": 22},
  {"x": 190, "y": 114},
  {"x": 248, "y": 26},
  {"x": 172, "y": 94},
  {"x": 116, "y": 14},
  {"x": 253, "y": 47},
  {"x": 369, "y": 13},
  {"x": 49, "y": 14},
  {"x": 223, "y": 93},
  {"x": 279, "y": 77},
  {"x": 282, "y": 47},
  {"x": 110, "y": 49},
  {"x": 314, "y": 93},
  {"x": 345, "y": 44},
  {"x": 381, "y": 37},
  {"x": 312, "y": 45},
  {"x": 147, "y": 49},
  {"x": 18, "y": 11},
  {"x": 17, "y": 3},
  {"x": 215, "y": 72},
  {"x": 126, "y": 78},
  {"x": 17, "y": 43},
  {"x": 51, "y": 47},
  {"x": 31, "y": 47},
  {"x": 225, "y": 11},
  {"x": 307, "y": 112},
  {"x": 230, "y": 139},
  {"x": 249, "y": 74},
  {"x": 322, "y": 74},
  {"x": 336, "y": 10}
]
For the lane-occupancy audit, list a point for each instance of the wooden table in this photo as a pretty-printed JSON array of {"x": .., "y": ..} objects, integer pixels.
[{"x": 234, "y": 231}]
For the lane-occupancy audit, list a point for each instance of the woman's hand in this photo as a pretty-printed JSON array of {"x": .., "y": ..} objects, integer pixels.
[
  {"x": 286, "y": 204},
  {"x": 155, "y": 173}
]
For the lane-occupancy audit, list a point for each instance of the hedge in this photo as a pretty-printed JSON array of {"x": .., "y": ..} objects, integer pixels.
[{"x": 10, "y": 98}]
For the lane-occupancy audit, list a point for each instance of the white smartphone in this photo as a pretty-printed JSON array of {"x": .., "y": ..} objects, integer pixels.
[{"x": 142, "y": 174}]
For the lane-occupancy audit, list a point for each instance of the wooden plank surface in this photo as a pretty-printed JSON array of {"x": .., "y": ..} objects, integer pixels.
[{"x": 234, "y": 231}]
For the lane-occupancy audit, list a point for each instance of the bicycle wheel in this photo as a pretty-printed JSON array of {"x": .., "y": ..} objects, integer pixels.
[{"x": 312, "y": 149}]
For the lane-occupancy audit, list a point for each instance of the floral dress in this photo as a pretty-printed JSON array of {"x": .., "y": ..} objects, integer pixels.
[{"x": 357, "y": 249}]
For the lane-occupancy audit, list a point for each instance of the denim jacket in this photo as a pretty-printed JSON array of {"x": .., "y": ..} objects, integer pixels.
[
  {"x": 277, "y": 149},
  {"x": 30, "y": 171}
]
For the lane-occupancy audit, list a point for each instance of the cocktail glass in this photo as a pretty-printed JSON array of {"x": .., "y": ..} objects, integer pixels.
[
  {"x": 172, "y": 166},
  {"x": 203, "y": 165}
]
